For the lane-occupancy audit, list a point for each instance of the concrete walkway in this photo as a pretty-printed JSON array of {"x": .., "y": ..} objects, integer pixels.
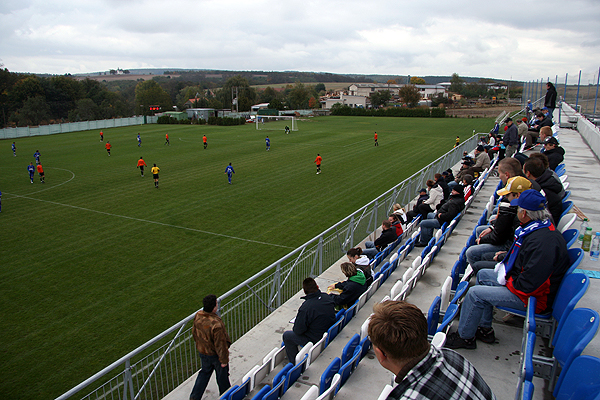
[{"x": 498, "y": 363}]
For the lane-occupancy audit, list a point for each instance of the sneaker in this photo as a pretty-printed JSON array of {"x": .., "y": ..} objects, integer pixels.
[
  {"x": 486, "y": 337},
  {"x": 454, "y": 341}
]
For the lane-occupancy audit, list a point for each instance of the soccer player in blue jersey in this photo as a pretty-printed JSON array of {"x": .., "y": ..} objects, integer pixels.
[
  {"x": 268, "y": 143},
  {"x": 139, "y": 140},
  {"x": 37, "y": 157},
  {"x": 31, "y": 170},
  {"x": 229, "y": 171},
  {"x": 14, "y": 149}
]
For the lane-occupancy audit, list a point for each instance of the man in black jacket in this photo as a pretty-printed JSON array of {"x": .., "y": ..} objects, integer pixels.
[
  {"x": 446, "y": 213},
  {"x": 510, "y": 138},
  {"x": 550, "y": 99},
  {"x": 388, "y": 235},
  {"x": 534, "y": 169},
  {"x": 499, "y": 235},
  {"x": 315, "y": 316},
  {"x": 534, "y": 266},
  {"x": 554, "y": 152}
]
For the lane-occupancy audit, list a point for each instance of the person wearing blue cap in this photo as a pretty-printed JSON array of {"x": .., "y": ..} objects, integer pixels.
[{"x": 534, "y": 265}]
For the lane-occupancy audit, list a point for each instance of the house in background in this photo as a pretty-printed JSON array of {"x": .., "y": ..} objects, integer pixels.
[{"x": 345, "y": 99}]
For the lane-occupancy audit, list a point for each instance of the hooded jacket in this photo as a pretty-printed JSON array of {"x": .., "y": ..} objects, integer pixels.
[
  {"x": 552, "y": 189},
  {"x": 555, "y": 157},
  {"x": 364, "y": 264},
  {"x": 436, "y": 194},
  {"x": 351, "y": 289}
]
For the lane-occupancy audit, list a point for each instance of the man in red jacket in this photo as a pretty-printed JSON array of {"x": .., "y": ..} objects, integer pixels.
[{"x": 534, "y": 266}]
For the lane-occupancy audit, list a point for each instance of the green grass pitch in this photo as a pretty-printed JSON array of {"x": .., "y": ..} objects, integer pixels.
[{"x": 96, "y": 261}]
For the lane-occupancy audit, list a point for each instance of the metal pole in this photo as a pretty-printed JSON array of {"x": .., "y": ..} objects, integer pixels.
[
  {"x": 566, "y": 77},
  {"x": 578, "y": 84},
  {"x": 596, "y": 98}
]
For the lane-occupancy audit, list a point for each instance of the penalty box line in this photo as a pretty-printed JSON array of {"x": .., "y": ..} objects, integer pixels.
[{"x": 154, "y": 222}]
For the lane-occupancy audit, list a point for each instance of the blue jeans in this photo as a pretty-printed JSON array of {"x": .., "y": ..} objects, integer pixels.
[
  {"x": 370, "y": 250},
  {"x": 427, "y": 228},
  {"x": 478, "y": 306},
  {"x": 210, "y": 364},
  {"x": 477, "y": 251},
  {"x": 291, "y": 342}
]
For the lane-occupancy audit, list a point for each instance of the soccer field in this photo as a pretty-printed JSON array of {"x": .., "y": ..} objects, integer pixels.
[{"x": 96, "y": 261}]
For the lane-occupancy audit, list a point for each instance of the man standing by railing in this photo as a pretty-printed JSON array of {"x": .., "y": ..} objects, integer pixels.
[{"x": 212, "y": 343}]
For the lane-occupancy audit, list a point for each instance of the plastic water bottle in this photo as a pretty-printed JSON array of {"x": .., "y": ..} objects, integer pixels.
[
  {"x": 587, "y": 239},
  {"x": 595, "y": 251},
  {"x": 584, "y": 225}
]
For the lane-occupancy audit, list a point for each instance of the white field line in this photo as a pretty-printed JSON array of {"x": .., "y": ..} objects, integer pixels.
[
  {"x": 46, "y": 188},
  {"x": 152, "y": 222}
]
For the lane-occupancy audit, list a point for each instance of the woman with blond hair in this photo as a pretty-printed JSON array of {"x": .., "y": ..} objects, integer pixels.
[{"x": 351, "y": 289}]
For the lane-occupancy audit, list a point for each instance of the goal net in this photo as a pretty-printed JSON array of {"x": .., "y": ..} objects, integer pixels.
[{"x": 274, "y": 123}]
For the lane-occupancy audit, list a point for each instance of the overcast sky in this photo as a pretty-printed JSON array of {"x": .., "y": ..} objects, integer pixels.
[{"x": 522, "y": 40}]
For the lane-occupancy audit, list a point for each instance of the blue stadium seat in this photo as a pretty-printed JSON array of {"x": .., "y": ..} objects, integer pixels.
[
  {"x": 262, "y": 392},
  {"x": 347, "y": 368},
  {"x": 276, "y": 392},
  {"x": 433, "y": 316},
  {"x": 567, "y": 195},
  {"x": 365, "y": 345},
  {"x": 349, "y": 348},
  {"x": 294, "y": 373},
  {"x": 241, "y": 391},
  {"x": 566, "y": 207},
  {"x": 580, "y": 327},
  {"x": 334, "y": 330},
  {"x": 328, "y": 374},
  {"x": 227, "y": 394},
  {"x": 449, "y": 316},
  {"x": 581, "y": 380},
  {"x": 461, "y": 290},
  {"x": 350, "y": 313},
  {"x": 575, "y": 255},
  {"x": 570, "y": 236}
]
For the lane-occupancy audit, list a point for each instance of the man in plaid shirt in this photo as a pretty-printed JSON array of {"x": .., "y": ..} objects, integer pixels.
[{"x": 398, "y": 331}]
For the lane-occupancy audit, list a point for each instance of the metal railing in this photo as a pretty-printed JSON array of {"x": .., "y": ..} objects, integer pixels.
[
  {"x": 163, "y": 363},
  {"x": 14, "y": 133}
]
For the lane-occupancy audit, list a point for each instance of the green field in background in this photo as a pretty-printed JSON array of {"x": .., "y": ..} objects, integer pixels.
[{"x": 96, "y": 261}]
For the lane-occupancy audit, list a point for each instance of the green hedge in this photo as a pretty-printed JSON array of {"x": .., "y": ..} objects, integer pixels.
[
  {"x": 389, "y": 112},
  {"x": 226, "y": 121}
]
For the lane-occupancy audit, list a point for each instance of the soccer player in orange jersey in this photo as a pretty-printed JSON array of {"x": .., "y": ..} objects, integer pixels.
[
  {"x": 40, "y": 171},
  {"x": 167, "y": 139},
  {"x": 205, "y": 141},
  {"x": 318, "y": 162},
  {"x": 108, "y": 146},
  {"x": 376, "y": 143},
  {"x": 141, "y": 164}
]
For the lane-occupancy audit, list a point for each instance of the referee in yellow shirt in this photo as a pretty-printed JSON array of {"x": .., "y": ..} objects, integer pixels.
[{"x": 155, "y": 170}]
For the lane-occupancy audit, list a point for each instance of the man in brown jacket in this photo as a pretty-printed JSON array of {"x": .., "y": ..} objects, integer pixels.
[{"x": 212, "y": 343}]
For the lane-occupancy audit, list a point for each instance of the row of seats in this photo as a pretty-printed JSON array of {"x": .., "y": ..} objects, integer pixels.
[
  {"x": 568, "y": 329},
  {"x": 338, "y": 372}
]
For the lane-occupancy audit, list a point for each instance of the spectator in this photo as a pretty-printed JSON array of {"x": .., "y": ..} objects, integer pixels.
[
  {"x": 509, "y": 168},
  {"x": 534, "y": 266},
  {"x": 448, "y": 175},
  {"x": 446, "y": 213},
  {"x": 396, "y": 224},
  {"x": 315, "y": 316},
  {"x": 534, "y": 169},
  {"x": 540, "y": 121},
  {"x": 545, "y": 132},
  {"x": 398, "y": 331},
  {"x": 498, "y": 236},
  {"x": 441, "y": 182},
  {"x": 361, "y": 261},
  {"x": 388, "y": 235},
  {"x": 482, "y": 161},
  {"x": 351, "y": 289},
  {"x": 467, "y": 183},
  {"x": 550, "y": 99},
  {"x": 510, "y": 138},
  {"x": 212, "y": 343},
  {"x": 554, "y": 152},
  {"x": 435, "y": 197},
  {"x": 542, "y": 157},
  {"x": 423, "y": 195},
  {"x": 398, "y": 210}
]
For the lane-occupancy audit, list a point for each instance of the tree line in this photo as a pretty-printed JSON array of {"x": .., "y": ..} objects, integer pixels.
[{"x": 30, "y": 100}]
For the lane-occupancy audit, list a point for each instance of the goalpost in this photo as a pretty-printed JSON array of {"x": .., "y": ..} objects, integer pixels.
[{"x": 275, "y": 123}]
